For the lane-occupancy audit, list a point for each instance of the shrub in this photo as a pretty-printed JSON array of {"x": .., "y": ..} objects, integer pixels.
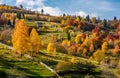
[
  {"x": 64, "y": 66},
  {"x": 118, "y": 71},
  {"x": 67, "y": 28},
  {"x": 6, "y": 35},
  {"x": 107, "y": 74},
  {"x": 89, "y": 76},
  {"x": 114, "y": 63},
  {"x": 3, "y": 74},
  {"x": 80, "y": 50},
  {"x": 66, "y": 43},
  {"x": 71, "y": 50},
  {"x": 73, "y": 60},
  {"x": 60, "y": 48}
]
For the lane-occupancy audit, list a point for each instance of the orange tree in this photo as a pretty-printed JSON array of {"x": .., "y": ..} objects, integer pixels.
[{"x": 104, "y": 47}]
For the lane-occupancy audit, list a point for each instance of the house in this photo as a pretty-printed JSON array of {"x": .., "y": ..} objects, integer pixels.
[{"x": 39, "y": 24}]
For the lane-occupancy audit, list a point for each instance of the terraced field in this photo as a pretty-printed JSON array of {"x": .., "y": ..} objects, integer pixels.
[{"x": 13, "y": 66}]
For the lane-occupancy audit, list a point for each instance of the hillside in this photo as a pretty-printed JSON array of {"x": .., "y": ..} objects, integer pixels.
[
  {"x": 38, "y": 45},
  {"x": 13, "y": 66}
]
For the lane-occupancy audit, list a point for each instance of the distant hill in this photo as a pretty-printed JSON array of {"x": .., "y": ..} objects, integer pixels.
[{"x": 15, "y": 9}]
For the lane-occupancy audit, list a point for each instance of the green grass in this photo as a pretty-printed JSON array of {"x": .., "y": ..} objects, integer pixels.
[
  {"x": 13, "y": 66},
  {"x": 47, "y": 37},
  {"x": 32, "y": 24},
  {"x": 81, "y": 65}
]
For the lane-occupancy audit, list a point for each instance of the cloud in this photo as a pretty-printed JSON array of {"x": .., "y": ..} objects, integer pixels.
[
  {"x": 102, "y": 8},
  {"x": 81, "y": 13},
  {"x": 50, "y": 10},
  {"x": 1, "y": 1},
  {"x": 30, "y": 3},
  {"x": 84, "y": 14},
  {"x": 38, "y": 5},
  {"x": 94, "y": 14}
]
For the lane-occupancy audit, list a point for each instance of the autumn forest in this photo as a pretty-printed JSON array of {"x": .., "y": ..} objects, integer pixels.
[{"x": 39, "y": 45}]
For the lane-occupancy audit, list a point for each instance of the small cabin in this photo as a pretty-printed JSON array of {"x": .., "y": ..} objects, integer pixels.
[{"x": 39, "y": 24}]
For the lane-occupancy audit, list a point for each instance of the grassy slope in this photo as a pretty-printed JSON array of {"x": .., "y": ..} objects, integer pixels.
[{"x": 12, "y": 66}]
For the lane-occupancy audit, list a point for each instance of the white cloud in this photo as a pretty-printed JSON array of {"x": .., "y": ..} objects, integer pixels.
[
  {"x": 38, "y": 5},
  {"x": 30, "y": 3},
  {"x": 81, "y": 13},
  {"x": 1, "y": 1},
  {"x": 53, "y": 11},
  {"x": 94, "y": 15},
  {"x": 84, "y": 14},
  {"x": 93, "y": 7}
]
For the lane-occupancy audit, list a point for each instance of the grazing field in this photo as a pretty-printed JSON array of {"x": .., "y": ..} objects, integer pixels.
[
  {"x": 14, "y": 66},
  {"x": 62, "y": 64}
]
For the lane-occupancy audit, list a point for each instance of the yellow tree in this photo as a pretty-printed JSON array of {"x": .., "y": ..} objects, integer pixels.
[
  {"x": 91, "y": 49},
  {"x": 78, "y": 39},
  {"x": 84, "y": 51},
  {"x": 94, "y": 20},
  {"x": 104, "y": 47},
  {"x": 20, "y": 37},
  {"x": 78, "y": 19},
  {"x": 86, "y": 42},
  {"x": 73, "y": 60},
  {"x": 35, "y": 41},
  {"x": 99, "y": 56},
  {"x": 79, "y": 27},
  {"x": 83, "y": 20},
  {"x": 66, "y": 43},
  {"x": 63, "y": 21},
  {"x": 51, "y": 48}
]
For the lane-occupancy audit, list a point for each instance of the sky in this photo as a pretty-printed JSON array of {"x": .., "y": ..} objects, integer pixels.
[{"x": 103, "y": 8}]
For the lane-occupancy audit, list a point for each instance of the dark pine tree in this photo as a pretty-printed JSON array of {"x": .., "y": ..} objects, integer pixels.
[
  {"x": 42, "y": 11},
  {"x": 68, "y": 36},
  {"x": 23, "y": 15},
  {"x": 19, "y": 15},
  {"x": 115, "y": 18},
  {"x": 64, "y": 15},
  {"x": 88, "y": 18},
  {"x": 104, "y": 22},
  {"x": 9, "y": 23}
]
